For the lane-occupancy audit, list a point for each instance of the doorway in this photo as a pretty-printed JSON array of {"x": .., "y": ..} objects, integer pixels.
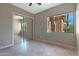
[{"x": 22, "y": 28}]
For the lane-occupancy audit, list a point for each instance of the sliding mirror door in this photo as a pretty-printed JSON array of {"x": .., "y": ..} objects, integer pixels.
[{"x": 22, "y": 28}]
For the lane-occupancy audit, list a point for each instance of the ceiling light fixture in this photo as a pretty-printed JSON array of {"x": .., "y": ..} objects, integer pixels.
[{"x": 36, "y": 3}]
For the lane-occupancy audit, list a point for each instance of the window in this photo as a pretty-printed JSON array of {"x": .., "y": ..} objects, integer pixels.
[{"x": 61, "y": 23}]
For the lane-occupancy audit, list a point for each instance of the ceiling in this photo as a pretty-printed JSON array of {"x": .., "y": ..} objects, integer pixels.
[{"x": 35, "y": 8}]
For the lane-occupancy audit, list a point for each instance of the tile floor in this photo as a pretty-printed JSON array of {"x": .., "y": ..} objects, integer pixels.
[{"x": 34, "y": 48}]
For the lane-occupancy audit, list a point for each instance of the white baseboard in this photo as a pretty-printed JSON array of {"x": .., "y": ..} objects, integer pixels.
[
  {"x": 56, "y": 43},
  {"x": 7, "y": 46}
]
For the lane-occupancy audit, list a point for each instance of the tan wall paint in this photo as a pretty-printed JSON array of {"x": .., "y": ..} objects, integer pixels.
[
  {"x": 40, "y": 26},
  {"x": 6, "y": 22}
]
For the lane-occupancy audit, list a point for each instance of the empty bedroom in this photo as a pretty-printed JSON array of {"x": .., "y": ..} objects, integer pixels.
[{"x": 39, "y": 29}]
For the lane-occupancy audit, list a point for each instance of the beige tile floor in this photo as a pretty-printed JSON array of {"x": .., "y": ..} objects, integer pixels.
[{"x": 34, "y": 48}]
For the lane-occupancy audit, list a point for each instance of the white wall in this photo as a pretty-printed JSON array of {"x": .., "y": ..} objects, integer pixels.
[
  {"x": 77, "y": 27},
  {"x": 40, "y": 26},
  {"x": 6, "y": 22},
  {"x": 5, "y": 26}
]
